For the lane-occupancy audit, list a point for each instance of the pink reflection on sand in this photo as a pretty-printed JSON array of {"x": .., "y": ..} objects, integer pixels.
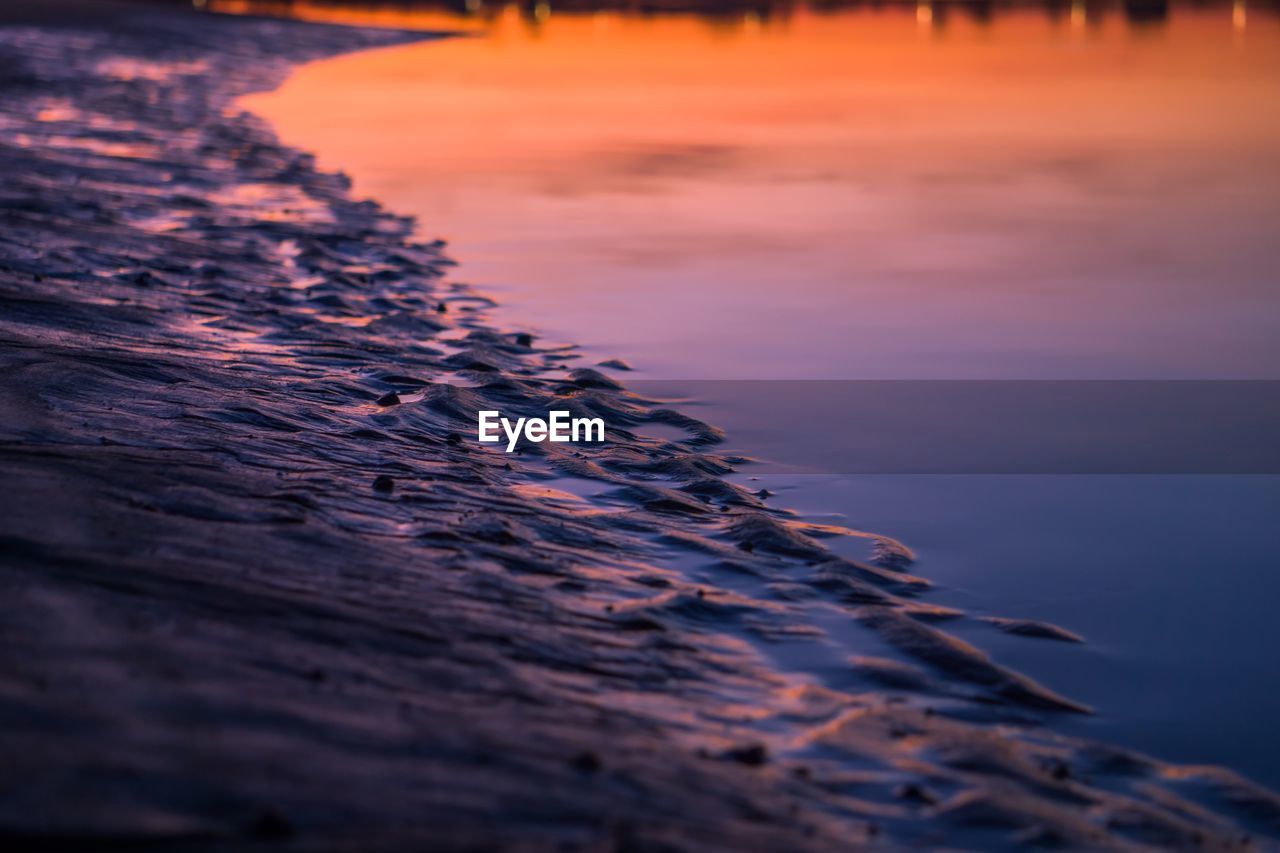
[{"x": 125, "y": 68}]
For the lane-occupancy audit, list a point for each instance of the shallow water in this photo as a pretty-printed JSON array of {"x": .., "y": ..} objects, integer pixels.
[
  {"x": 909, "y": 192},
  {"x": 1169, "y": 579}
]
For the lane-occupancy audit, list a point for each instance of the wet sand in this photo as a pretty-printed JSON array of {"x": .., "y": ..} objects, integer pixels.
[{"x": 246, "y": 602}]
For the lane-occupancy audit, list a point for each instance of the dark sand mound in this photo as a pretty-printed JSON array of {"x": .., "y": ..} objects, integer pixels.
[{"x": 258, "y": 587}]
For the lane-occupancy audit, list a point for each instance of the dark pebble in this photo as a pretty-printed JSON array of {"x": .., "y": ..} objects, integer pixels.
[
  {"x": 752, "y": 756},
  {"x": 524, "y": 339},
  {"x": 916, "y": 794},
  {"x": 587, "y": 762},
  {"x": 383, "y": 483}
]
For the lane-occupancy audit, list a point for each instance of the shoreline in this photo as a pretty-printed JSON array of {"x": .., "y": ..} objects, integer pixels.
[{"x": 221, "y": 631}]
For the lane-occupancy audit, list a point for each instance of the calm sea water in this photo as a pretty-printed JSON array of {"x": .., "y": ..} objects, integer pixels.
[{"x": 967, "y": 191}]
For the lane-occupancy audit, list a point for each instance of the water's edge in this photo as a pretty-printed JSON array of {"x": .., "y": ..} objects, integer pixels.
[{"x": 250, "y": 602}]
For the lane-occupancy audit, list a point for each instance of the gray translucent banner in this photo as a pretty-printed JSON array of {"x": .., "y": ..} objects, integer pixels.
[{"x": 988, "y": 427}]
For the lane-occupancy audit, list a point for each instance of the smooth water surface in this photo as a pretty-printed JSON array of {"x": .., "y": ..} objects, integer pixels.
[{"x": 860, "y": 194}]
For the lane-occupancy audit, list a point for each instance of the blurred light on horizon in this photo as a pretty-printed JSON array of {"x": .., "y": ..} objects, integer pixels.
[
  {"x": 1079, "y": 15},
  {"x": 746, "y": 14},
  {"x": 924, "y": 13}
]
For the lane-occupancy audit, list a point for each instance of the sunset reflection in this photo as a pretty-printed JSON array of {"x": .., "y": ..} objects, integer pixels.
[
  {"x": 984, "y": 189},
  {"x": 640, "y": 424},
  {"x": 429, "y": 13}
]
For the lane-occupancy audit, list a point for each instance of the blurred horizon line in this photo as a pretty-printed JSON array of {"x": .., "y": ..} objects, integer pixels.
[{"x": 1136, "y": 12}]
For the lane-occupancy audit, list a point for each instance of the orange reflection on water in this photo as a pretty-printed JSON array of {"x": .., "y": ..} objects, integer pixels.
[{"x": 867, "y": 193}]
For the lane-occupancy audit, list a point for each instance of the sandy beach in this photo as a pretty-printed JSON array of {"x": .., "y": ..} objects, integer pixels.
[{"x": 262, "y": 585}]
